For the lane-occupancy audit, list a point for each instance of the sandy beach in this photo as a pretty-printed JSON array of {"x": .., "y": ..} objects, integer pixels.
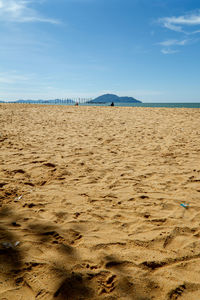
[{"x": 99, "y": 203}]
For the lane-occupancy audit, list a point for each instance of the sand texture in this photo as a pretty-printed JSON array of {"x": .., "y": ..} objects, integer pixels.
[{"x": 91, "y": 203}]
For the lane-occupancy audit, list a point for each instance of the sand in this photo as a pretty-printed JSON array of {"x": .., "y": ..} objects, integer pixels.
[{"x": 91, "y": 203}]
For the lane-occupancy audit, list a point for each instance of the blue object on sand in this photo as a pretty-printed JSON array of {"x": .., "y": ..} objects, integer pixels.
[{"x": 184, "y": 205}]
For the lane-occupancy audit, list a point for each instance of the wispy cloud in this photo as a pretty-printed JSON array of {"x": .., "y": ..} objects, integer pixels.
[
  {"x": 168, "y": 44},
  {"x": 174, "y": 42},
  {"x": 13, "y": 77},
  {"x": 184, "y": 25},
  {"x": 180, "y": 23},
  {"x": 21, "y": 11},
  {"x": 169, "y": 51}
]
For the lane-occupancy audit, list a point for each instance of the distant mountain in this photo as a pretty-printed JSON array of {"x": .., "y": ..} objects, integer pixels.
[{"x": 114, "y": 98}]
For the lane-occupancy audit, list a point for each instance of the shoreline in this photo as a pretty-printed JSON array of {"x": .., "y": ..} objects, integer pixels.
[{"x": 143, "y": 104}]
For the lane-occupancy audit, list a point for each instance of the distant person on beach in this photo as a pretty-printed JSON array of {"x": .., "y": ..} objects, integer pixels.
[
  {"x": 112, "y": 104},
  {"x": 76, "y": 104}
]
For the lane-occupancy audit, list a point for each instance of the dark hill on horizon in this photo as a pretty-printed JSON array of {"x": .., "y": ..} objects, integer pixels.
[{"x": 114, "y": 98}]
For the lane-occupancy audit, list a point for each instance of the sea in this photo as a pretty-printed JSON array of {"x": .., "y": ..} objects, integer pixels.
[{"x": 172, "y": 105}]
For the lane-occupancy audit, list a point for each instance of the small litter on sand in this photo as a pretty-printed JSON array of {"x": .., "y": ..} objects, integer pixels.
[
  {"x": 18, "y": 198},
  {"x": 8, "y": 245},
  {"x": 184, "y": 205}
]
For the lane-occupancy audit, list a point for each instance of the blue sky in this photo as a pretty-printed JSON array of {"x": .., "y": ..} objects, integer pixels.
[{"x": 148, "y": 49}]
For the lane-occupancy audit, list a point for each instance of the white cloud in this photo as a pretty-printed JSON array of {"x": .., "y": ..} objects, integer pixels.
[
  {"x": 169, "y": 51},
  {"x": 20, "y": 11},
  {"x": 185, "y": 20},
  {"x": 168, "y": 44},
  {"x": 174, "y": 42},
  {"x": 179, "y": 23},
  {"x": 184, "y": 25},
  {"x": 172, "y": 26},
  {"x": 13, "y": 77}
]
